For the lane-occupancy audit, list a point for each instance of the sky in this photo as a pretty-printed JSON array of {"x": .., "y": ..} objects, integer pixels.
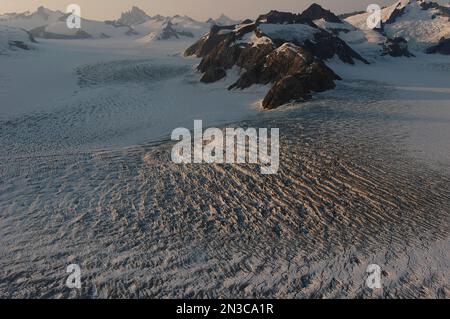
[{"x": 197, "y": 9}]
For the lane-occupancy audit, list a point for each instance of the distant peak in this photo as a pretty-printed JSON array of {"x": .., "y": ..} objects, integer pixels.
[
  {"x": 134, "y": 16},
  {"x": 317, "y": 12},
  {"x": 222, "y": 20}
]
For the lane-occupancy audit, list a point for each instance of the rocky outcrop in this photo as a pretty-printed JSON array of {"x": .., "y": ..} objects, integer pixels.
[
  {"x": 443, "y": 47},
  {"x": 326, "y": 45},
  {"x": 15, "y": 39},
  {"x": 441, "y": 10},
  {"x": 296, "y": 73},
  {"x": 424, "y": 5},
  {"x": 217, "y": 35},
  {"x": 133, "y": 17},
  {"x": 19, "y": 45},
  {"x": 277, "y": 17},
  {"x": 396, "y": 13},
  {"x": 396, "y": 47},
  {"x": 316, "y": 12},
  {"x": 283, "y": 49},
  {"x": 169, "y": 32},
  {"x": 213, "y": 74}
]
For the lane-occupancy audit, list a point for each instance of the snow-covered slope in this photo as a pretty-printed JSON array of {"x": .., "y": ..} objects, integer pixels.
[
  {"x": 163, "y": 28},
  {"x": 14, "y": 39},
  {"x": 135, "y": 23},
  {"x": 89, "y": 29},
  {"x": 30, "y": 21},
  {"x": 421, "y": 23},
  {"x": 51, "y": 24}
]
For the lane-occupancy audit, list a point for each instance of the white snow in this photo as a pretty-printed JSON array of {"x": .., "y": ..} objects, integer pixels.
[
  {"x": 322, "y": 23},
  {"x": 148, "y": 30},
  {"x": 131, "y": 86},
  {"x": 421, "y": 28},
  {"x": 81, "y": 183},
  {"x": 289, "y": 32},
  {"x": 255, "y": 40},
  {"x": 421, "y": 103},
  {"x": 151, "y": 29},
  {"x": 94, "y": 28},
  {"x": 10, "y": 34},
  {"x": 29, "y": 21}
]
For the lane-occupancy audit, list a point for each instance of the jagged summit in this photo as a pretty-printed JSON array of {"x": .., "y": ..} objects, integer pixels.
[
  {"x": 134, "y": 16},
  {"x": 222, "y": 20},
  {"x": 316, "y": 12},
  {"x": 279, "y": 17},
  {"x": 30, "y": 20}
]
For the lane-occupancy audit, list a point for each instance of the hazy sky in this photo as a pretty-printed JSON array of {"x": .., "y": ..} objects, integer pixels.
[{"x": 198, "y": 9}]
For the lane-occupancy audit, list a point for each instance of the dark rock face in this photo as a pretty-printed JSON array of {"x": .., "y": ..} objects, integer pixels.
[
  {"x": 326, "y": 45},
  {"x": 296, "y": 74},
  {"x": 31, "y": 37},
  {"x": 19, "y": 45},
  {"x": 216, "y": 36},
  {"x": 133, "y": 17},
  {"x": 442, "y": 11},
  {"x": 316, "y": 12},
  {"x": 277, "y": 17},
  {"x": 213, "y": 74},
  {"x": 41, "y": 11},
  {"x": 396, "y": 47},
  {"x": 397, "y": 13},
  {"x": 443, "y": 47},
  {"x": 131, "y": 32},
  {"x": 169, "y": 32},
  {"x": 428, "y": 5},
  {"x": 295, "y": 68}
]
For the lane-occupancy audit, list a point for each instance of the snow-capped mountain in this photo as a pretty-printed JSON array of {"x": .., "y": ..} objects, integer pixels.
[
  {"x": 46, "y": 23},
  {"x": 134, "y": 17},
  {"x": 14, "y": 39},
  {"x": 283, "y": 49},
  {"x": 222, "y": 20},
  {"x": 136, "y": 23},
  {"x": 158, "y": 27},
  {"x": 90, "y": 29},
  {"x": 30, "y": 21},
  {"x": 421, "y": 23}
]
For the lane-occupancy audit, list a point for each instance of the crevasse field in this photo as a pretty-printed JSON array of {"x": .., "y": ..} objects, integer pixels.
[{"x": 86, "y": 177}]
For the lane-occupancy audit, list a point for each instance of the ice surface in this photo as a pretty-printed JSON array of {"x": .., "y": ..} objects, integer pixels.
[{"x": 86, "y": 177}]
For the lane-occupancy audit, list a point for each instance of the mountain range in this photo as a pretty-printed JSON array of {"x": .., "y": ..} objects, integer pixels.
[
  {"x": 46, "y": 23},
  {"x": 286, "y": 50}
]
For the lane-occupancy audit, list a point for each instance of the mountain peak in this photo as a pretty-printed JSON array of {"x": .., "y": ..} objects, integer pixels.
[
  {"x": 222, "y": 20},
  {"x": 134, "y": 16},
  {"x": 317, "y": 12}
]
